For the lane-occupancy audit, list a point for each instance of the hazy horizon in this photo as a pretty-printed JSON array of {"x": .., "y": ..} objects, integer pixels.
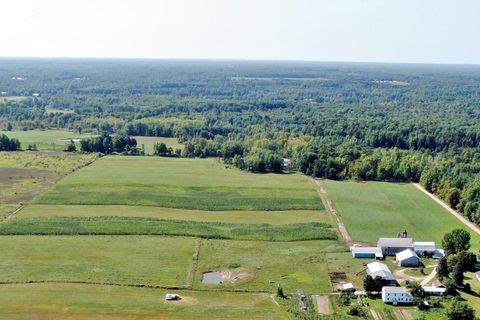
[{"x": 370, "y": 31}]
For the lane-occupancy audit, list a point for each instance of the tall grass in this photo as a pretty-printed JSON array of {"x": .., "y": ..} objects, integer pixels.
[{"x": 149, "y": 226}]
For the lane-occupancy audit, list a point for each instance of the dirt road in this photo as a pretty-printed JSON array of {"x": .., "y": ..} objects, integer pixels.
[
  {"x": 330, "y": 207},
  {"x": 457, "y": 215}
]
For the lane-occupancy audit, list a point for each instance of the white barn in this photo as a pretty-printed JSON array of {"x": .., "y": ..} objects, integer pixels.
[
  {"x": 407, "y": 258},
  {"x": 396, "y": 295},
  {"x": 392, "y": 246},
  {"x": 377, "y": 269},
  {"x": 424, "y": 248}
]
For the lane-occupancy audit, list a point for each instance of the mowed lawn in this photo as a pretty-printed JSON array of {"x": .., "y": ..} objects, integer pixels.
[
  {"x": 204, "y": 184},
  {"x": 159, "y": 261},
  {"x": 80, "y": 301},
  {"x": 250, "y": 216},
  {"x": 261, "y": 265},
  {"x": 380, "y": 209}
]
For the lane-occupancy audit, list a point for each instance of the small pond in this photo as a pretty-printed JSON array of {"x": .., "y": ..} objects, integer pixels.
[{"x": 213, "y": 277}]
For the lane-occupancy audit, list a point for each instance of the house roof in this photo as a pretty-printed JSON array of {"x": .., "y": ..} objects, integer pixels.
[
  {"x": 388, "y": 289},
  {"x": 406, "y": 254},
  {"x": 395, "y": 242},
  {"x": 439, "y": 253},
  {"x": 424, "y": 246}
]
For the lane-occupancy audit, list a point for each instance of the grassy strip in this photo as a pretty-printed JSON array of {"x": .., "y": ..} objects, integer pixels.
[{"x": 148, "y": 226}]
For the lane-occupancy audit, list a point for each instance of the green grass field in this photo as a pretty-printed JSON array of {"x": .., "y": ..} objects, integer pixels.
[
  {"x": 380, "y": 209},
  {"x": 160, "y": 261},
  {"x": 295, "y": 265},
  {"x": 76, "y": 301},
  {"x": 149, "y": 226},
  {"x": 203, "y": 184},
  {"x": 55, "y": 140},
  {"x": 238, "y": 216},
  {"x": 149, "y": 142}
]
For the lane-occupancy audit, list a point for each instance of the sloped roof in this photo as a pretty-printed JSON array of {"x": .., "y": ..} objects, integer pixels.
[
  {"x": 406, "y": 254},
  {"x": 424, "y": 246},
  {"x": 377, "y": 269},
  {"x": 395, "y": 242},
  {"x": 388, "y": 289}
]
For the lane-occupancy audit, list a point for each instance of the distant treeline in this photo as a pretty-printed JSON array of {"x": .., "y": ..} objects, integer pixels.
[{"x": 339, "y": 121}]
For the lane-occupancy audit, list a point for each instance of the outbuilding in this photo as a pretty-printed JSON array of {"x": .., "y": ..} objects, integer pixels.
[
  {"x": 392, "y": 246},
  {"x": 348, "y": 287},
  {"x": 377, "y": 269},
  {"x": 396, "y": 296},
  {"x": 424, "y": 248},
  {"x": 407, "y": 258},
  {"x": 366, "y": 252},
  {"x": 434, "y": 291}
]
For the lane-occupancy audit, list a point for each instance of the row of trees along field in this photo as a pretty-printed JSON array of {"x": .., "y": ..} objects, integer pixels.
[
  {"x": 339, "y": 121},
  {"x": 7, "y": 144}
]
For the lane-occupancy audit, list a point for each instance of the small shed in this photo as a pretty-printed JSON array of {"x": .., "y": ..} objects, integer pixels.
[
  {"x": 434, "y": 291},
  {"x": 477, "y": 275},
  {"x": 348, "y": 287},
  {"x": 438, "y": 284},
  {"x": 407, "y": 258}
]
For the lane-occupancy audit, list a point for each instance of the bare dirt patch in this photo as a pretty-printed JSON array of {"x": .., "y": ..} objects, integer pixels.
[{"x": 322, "y": 305}]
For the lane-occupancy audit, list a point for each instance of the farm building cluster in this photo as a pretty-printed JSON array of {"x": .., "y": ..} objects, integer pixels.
[{"x": 408, "y": 253}]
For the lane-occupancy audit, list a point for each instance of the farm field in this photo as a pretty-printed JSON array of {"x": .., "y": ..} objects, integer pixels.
[
  {"x": 74, "y": 301},
  {"x": 53, "y": 140},
  {"x": 24, "y": 175},
  {"x": 203, "y": 184},
  {"x": 158, "y": 261},
  {"x": 295, "y": 265},
  {"x": 56, "y": 140},
  {"x": 149, "y": 142},
  {"x": 374, "y": 209},
  {"x": 238, "y": 216}
]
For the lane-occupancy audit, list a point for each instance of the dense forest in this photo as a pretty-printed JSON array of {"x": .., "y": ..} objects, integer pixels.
[{"x": 332, "y": 120}]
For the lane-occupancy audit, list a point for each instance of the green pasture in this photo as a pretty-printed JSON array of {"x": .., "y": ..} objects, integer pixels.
[
  {"x": 204, "y": 184},
  {"x": 261, "y": 265},
  {"x": 149, "y": 226},
  {"x": 379, "y": 209},
  {"x": 149, "y": 142},
  {"x": 245, "y": 216},
  {"x": 83, "y": 301},
  {"x": 55, "y": 140},
  {"x": 159, "y": 261}
]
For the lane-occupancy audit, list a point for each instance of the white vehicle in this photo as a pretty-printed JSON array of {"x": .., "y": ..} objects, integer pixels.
[{"x": 172, "y": 296}]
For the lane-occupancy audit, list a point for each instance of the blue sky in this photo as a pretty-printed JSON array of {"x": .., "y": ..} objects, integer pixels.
[{"x": 418, "y": 31}]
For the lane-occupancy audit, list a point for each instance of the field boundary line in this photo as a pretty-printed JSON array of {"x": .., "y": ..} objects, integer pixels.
[
  {"x": 10, "y": 216},
  {"x": 455, "y": 213},
  {"x": 196, "y": 256},
  {"x": 147, "y": 286},
  {"x": 328, "y": 204}
]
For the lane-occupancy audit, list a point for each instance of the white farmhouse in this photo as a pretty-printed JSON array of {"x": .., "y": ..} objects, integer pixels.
[
  {"x": 396, "y": 295},
  {"x": 407, "y": 258}
]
